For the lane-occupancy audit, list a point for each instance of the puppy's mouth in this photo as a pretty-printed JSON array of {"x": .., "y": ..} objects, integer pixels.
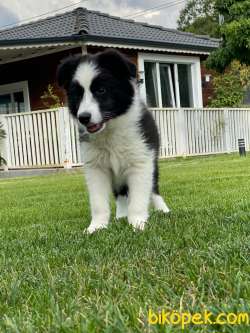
[{"x": 95, "y": 128}]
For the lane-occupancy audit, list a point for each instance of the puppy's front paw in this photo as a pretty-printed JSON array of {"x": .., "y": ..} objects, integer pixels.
[
  {"x": 138, "y": 222},
  {"x": 95, "y": 226}
]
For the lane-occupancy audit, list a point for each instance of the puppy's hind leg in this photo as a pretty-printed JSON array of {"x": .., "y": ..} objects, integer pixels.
[
  {"x": 157, "y": 201},
  {"x": 121, "y": 206},
  {"x": 121, "y": 196},
  {"x": 159, "y": 204}
]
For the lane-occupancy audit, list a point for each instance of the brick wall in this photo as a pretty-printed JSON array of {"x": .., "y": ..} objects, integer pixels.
[
  {"x": 207, "y": 87},
  {"x": 39, "y": 72}
]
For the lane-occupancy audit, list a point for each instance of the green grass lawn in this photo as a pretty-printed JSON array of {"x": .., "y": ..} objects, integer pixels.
[{"x": 55, "y": 278}]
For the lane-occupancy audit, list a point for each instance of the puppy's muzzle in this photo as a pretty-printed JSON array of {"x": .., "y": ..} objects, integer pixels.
[{"x": 84, "y": 118}]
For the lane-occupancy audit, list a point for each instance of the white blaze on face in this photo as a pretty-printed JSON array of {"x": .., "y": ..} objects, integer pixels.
[{"x": 84, "y": 75}]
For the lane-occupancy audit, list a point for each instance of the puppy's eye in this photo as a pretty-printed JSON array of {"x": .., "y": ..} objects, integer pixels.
[
  {"x": 76, "y": 89},
  {"x": 101, "y": 91}
]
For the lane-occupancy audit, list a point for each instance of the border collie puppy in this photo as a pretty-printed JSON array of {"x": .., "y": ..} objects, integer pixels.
[{"x": 120, "y": 150}]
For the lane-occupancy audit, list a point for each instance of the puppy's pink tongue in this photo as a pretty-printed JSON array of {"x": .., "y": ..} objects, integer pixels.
[{"x": 94, "y": 128}]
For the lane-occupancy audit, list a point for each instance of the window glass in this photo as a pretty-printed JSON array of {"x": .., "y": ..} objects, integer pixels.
[
  {"x": 12, "y": 103},
  {"x": 151, "y": 84},
  {"x": 185, "y": 85},
  {"x": 19, "y": 102},
  {"x": 5, "y": 104},
  {"x": 171, "y": 87},
  {"x": 167, "y": 83}
]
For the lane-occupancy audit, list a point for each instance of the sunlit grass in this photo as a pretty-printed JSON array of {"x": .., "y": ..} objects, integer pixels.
[{"x": 55, "y": 278}]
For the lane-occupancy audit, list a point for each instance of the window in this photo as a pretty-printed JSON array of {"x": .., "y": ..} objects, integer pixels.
[
  {"x": 14, "y": 98},
  {"x": 170, "y": 81},
  {"x": 167, "y": 87},
  {"x": 5, "y": 103},
  {"x": 151, "y": 84},
  {"x": 171, "y": 77},
  {"x": 185, "y": 85}
]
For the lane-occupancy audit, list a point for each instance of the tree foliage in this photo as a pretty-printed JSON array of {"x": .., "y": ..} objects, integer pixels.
[
  {"x": 199, "y": 17},
  {"x": 230, "y": 87},
  {"x": 235, "y": 32}
]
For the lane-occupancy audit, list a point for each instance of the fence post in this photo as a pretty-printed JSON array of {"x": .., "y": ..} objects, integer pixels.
[
  {"x": 181, "y": 133},
  {"x": 226, "y": 131},
  {"x": 64, "y": 123},
  {"x": 5, "y": 146}
]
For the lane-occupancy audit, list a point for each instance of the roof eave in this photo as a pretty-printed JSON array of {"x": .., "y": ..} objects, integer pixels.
[
  {"x": 140, "y": 42},
  {"x": 111, "y": 40},
  {"x": 30, "y": 41}
]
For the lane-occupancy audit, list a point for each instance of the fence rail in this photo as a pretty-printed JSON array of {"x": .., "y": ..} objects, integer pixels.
[
  {"x": 201, "y": 131},
  {"x": 41, "y": 139},
  {"x": 50, "y": 137}
]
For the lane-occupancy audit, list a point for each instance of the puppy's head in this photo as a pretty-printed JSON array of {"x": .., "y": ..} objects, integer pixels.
[{"x": 99, "y": 87}]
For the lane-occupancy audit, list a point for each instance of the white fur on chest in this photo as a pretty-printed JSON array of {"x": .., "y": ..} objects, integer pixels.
[{"x": 119, "y": 148}]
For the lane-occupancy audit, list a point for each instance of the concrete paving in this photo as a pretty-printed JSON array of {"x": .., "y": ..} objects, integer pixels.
[{"x": 36, "y": 172}]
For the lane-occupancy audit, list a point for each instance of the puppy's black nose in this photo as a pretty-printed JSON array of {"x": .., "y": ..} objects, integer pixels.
[{"x": 84, "y": 118}]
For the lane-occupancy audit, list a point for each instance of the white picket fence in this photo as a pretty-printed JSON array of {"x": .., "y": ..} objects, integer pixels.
[
  {"x": 50, "y": 137},
  {"x": 41, "y": 139},
  {"x": 201, "y": 131}
]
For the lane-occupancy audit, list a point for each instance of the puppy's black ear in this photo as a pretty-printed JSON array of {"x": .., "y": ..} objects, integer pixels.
[
  {"x": 116, "y": 63},
  {"x": 66, "y": 70}
]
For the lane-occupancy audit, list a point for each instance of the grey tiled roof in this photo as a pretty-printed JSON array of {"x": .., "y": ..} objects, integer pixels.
[{"x": 83, "y": 24}]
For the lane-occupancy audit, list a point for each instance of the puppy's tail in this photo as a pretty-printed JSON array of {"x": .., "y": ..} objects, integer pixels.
[{"x": 159, "y": 204}]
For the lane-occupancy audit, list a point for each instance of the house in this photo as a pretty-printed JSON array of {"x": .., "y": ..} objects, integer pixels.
[{"x": 168, "y": 61}]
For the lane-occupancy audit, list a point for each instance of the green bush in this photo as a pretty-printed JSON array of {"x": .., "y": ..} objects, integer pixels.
[
  {"x": 230, "y": 87},
  {"x": 50, "y": 99}
]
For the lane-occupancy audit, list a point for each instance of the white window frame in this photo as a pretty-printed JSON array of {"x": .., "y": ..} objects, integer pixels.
[
  {"x": 173, "y": 59},
  {"x": 12, "y": 88}
]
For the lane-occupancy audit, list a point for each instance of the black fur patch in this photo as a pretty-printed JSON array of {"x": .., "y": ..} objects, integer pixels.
[
  {"x": 66, "y": 70},
  {"x": 150, "y": 134},
  {"x": 117, "y": 97},
  {"x": 123, "y": 191},
  {"x": 116, "y": 63},
  {"x": 75, "y": 95},
  {"x": 112, "y": 88},
  {"x": 149, "y": 130}
]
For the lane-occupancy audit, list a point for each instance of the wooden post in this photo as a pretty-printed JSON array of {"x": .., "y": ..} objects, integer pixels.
[
  {"x": 226, "y": 131},
  {"x": 181, "y": 133},
  {"x": 65, "y": 138}
]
